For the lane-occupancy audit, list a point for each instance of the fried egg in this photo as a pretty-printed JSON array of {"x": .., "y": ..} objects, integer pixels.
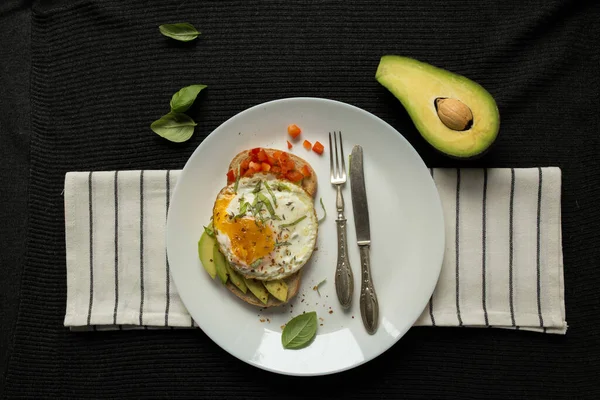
[{"x": 265, "y": 227}]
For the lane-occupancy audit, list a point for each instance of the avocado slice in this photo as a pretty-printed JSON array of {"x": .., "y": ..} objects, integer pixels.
[
  {"x": 236, "y": 278},
  {"x": 220, "y": 264},
  {"x": 278, "y": 288},
  {"x": 454, "y": 114},
  {"x": 205, "y": 253},
  {"x": 257, "y": 289}
]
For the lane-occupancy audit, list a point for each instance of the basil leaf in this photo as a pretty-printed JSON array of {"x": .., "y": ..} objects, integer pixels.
[
  {"x": 324, "y": 211},
  {"x": 256, "y": 263},
  {"x": 318, "y": 285},
  {"x": 175, "y": 127},
  {"x": 278, "y": 244},
  {"x": 292, "y": 223},
  {"x": 243, "y": 210},
  {"x": 271, "y": 193},
  {"x": 299, "y": 331},
  {"x": 282, "y": 187},
  {"x": 184, "y": 98},
  {"x": 349, "y": 163},
  {"x": 182, "y": 31},
  {"x": 267, "y": 203},
  {"x": 256, "y": 207},
  {"x": 209, "y": 230},
  {"x": 257, "y": 187}
]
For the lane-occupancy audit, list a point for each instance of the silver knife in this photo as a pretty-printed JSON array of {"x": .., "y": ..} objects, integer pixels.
[{"x": 369, "y": 306}]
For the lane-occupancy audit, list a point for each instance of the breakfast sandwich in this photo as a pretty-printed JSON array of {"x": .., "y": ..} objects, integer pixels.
[{"x": 264, "y": 226}]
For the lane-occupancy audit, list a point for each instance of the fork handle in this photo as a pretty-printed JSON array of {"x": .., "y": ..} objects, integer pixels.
[
  {"x": 339, "y": 201},
  {"x": 344, "y": 280}
]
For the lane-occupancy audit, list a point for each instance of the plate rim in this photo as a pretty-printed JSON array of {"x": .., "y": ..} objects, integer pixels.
[{"x": 211, "y": 137}]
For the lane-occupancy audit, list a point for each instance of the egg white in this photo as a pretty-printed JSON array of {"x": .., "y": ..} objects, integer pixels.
[{"x": 296, "y": 242}]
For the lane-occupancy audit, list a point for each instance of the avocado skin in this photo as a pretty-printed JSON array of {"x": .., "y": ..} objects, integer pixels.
[
  {"x": 235, "y": 278},
  {"x": 278, "y": 288},
  {"x": 205, "y": 253},
  {"x": 417, "y": 84},
  {"x": 220, "y": 264},
  {"x": 257, "y": 289}
]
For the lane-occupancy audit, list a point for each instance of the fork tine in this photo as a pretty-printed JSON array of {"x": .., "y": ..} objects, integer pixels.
[
  {"x": 331, "y": 158},
  {"x": 337, "y": 158},
  {"x": 343, "y": 174}
]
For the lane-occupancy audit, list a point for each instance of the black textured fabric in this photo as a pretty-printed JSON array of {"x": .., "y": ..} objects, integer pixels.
[
  {"x": 15, "y": 27},
  {"x": 102, "y": 73}
]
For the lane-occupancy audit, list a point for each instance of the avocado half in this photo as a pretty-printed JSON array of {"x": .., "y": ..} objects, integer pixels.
[{"x": 418, "y": 85}]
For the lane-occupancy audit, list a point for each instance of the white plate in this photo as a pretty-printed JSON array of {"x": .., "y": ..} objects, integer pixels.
[{"x": 407, "y": 232}]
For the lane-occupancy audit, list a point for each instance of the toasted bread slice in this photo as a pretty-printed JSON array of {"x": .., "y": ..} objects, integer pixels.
[
  {"x": 308, "y": 184},
  {"x": 292, "y": 281}
]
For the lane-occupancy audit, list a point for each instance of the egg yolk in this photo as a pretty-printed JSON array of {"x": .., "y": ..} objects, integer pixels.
[{"x": 250, "y": 239}]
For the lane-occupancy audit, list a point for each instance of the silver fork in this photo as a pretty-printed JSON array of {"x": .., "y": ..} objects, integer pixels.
[{"x": 344, "y": 280}]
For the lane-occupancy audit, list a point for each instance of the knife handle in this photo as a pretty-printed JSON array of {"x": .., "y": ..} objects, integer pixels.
[
  {"x": 344, "y": 280},
  {"x": 369, "y": 306}
]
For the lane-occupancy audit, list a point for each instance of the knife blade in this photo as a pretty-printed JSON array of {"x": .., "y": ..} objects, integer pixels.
[
  {"x": 369, "y": 305},
  {"x": 360, "y": 205}
]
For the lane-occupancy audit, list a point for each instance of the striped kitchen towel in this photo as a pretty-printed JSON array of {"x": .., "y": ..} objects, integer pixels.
[
  {"x": 117, "y": 270},
  {"x": 503, "y": 264}
]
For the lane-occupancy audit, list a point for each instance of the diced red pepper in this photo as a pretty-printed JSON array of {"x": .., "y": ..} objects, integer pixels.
[
  {"x": 255, "y": 150},
  {"x": 307, "y": 145},
  {"x": 294, "y": 176},
  {"x": 276, "y": 170},
  {"x": 286, "y": 166},
  {"x": 289, "y": 144},
  {"x": 305, "y": 171},
  {"x": 271, "y": 160},
  {"x": 249, "y": 172},
  {"x": 265, "y": 167},
  {"x": 230, "y": 176},
  {"x": 318, "y": 147},
  {"x": 255, "y": 166},
  {"x": 262, "y": 155},
  {"x": 294, "y": 130},
  {"x": 245, "y": 164}
]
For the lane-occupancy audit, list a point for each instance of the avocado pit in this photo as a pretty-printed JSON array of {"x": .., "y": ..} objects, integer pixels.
[{"x": 453, "y": 113}]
